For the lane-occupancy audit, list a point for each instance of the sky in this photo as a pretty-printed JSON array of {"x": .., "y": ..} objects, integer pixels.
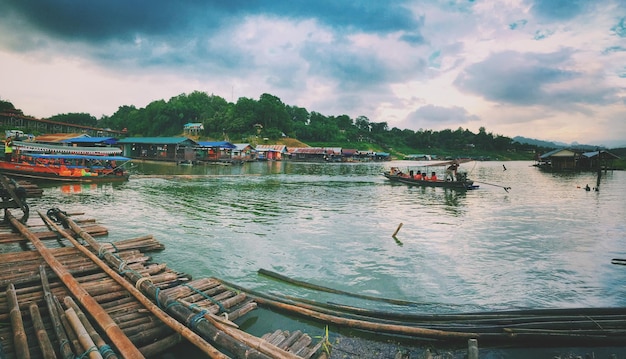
[{"x": 546, "y": 69}]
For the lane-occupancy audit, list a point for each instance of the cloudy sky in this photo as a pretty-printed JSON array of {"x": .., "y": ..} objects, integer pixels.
[{"x": 547, "y": 69}]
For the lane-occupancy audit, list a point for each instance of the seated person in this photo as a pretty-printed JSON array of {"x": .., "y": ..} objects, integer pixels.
[{"x": 433, "y": 176}]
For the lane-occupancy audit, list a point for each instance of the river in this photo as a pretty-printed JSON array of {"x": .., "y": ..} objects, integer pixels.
[{"x": 543, "y": 243}]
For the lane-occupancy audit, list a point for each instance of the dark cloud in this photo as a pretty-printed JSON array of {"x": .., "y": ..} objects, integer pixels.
[
  {"x": 559, "y": 9},
  {"x": 431, "y": 116},
  {"x": 531, "y": 79},
  {"x": 123, "y": 20}
]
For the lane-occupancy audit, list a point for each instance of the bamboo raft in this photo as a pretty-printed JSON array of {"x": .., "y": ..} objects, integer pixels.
[{"x": 66, "y": 301}]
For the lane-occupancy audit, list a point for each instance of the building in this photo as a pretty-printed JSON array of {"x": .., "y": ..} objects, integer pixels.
[
  {"x": 214, "y": 151},
  {"x": 271, "y": 152},
  {"x": 575, "y": 160},
  {"x": 171, "y": 149}
]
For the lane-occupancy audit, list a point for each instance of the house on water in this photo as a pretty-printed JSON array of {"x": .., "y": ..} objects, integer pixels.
[
  {"x": 575, "y": 160},
  {"x": 170, "y": 149}
]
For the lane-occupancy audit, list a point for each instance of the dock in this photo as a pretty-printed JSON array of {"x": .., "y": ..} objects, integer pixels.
[{"x": 65, "y": 294}]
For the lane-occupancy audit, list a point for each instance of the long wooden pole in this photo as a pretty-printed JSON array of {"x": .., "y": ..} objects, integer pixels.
[
  {"x": 20, "y": 342},
  {"x": 64, "y": 349},
  {"x": 182, "y": 313},
  {"x": 121, "y": 341},
  {"x": 163, "y": 316}
]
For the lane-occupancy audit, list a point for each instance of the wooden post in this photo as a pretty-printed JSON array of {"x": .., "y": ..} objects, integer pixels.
[
  {"x": 397, "y": 230},
  {"x": 472, "y": 349}
]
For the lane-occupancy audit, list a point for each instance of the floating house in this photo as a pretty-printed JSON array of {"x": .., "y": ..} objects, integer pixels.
[
  {"x": 171, "y": 149},
  {"x": 214, "y": 151},
  {"x": 243, "y": 152},
  {"x": 313, "y": 154},
  {"x": 271, "y": 152},
  {"x": 575, "y": 160}
]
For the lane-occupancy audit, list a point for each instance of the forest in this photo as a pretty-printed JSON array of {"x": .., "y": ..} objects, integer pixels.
[{"x": 270, "y": 120}]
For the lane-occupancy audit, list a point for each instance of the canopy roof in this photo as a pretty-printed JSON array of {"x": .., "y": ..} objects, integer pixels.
[
  {"x": 77, "y": 157},
  {"x": 46, "y": 148}
]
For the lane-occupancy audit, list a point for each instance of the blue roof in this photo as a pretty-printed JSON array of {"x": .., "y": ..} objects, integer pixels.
[
  {"x": 107, "y": 140},
  {"x": 220, "y": 144},
  {"x": 157, "y": 140}
]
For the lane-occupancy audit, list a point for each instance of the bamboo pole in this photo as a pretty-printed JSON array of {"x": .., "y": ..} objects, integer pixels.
[
  {"x": 184, "y": 331},
  {"x": 97, "y": 339},
  {"x": 123, "y": 344},
  {"x": 283, "y": 278},
  {"x": 85, "y": 340},
  {"x": 20, "y": 342},
  {"x": 359, "y": 324},
  {"x": 71, "y": 335},
  {"x": 206, "y": 328},
  {"x": 42, "y": 336},
  {"x": 64, "y": 349}
]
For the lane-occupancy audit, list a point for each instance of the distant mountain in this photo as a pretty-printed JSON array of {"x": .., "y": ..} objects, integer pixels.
[
  {"x": 538, "y": 143},
  {"x": 551, "y": 144}
]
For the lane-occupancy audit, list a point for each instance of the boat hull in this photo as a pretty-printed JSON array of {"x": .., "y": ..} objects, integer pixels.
[
  {"x": 458, "y": 185},
  {"x": 43, "y": 173}
]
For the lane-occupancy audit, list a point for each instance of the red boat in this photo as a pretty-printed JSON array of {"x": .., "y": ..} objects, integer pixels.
[{"x": 66, "y": 167}]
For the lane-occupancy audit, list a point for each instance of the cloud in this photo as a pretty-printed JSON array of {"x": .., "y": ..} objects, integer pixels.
[
  {"x": 524, "y": 79},
  {"x": 436, "y": 117},
  {"x": 458, "y": 62}
]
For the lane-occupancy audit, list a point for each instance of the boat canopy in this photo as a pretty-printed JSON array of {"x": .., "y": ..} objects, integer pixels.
[
  {"x": 77, "y": 157},
  {"x": 46, "y": 148}
]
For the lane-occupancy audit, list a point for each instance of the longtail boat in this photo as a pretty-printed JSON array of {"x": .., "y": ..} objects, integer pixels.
[
  {"x": 66, "y": 167},
  {"x": 428, "y": 178}
]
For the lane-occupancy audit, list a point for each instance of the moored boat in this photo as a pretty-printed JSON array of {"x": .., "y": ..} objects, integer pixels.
[{"x": 66, "y": 167}]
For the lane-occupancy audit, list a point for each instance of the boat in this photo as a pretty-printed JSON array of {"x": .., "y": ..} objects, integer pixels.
[
  {"x": 452, "y": 179},
  {"x": 66, "y": 167}
]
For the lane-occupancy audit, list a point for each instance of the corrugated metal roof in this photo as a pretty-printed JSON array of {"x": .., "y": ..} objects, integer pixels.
[
  {"x": 107, "y": 140},
  {"x": 219, "y": 144},
  {"x": 58, "y": 137},
  {"x": 277, "y": 148},
  {"x": 312, "y": 151},
  {"x": 158, "y": 140}
]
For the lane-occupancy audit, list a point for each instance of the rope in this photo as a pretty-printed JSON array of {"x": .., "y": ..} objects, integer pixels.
[
  {"x": 193, "y": 322},
  {"x": 86, "y": 354},
  {"x": 206, "y": 297},
  {"x": 141, "y": 280},
  {"x": 107, "y": 352},
  {"x": 63, "y": 343}
]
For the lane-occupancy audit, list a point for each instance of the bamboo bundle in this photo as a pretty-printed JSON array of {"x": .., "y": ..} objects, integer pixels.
[
  {"x": 57, "y": 325},
  {"x": 20, "y": 342},
  {"x": 179, "y": 328},
  {"x": 206, "y": 328},
  {"x": 123, "y": 344},
  {"x": 71, "y": 334},
  {"x": 97, "y": 339},
  {"x": 42, "y": 336},
  {"x": 85, "y": 340}
]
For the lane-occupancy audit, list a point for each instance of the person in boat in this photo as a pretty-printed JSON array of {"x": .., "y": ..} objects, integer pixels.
[
  {"x": 8, "y": 149},
  {"x": 418, "y": 175},
  {"x": 433, "y": 176},
  {"x": 451, "y": 172}
]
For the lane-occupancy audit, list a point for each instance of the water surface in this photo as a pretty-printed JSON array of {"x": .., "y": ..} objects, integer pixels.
[{"x": 546, "y": 242}]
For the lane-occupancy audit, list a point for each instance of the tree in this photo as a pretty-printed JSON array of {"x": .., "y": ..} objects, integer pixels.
[{"x": 83, "y": 119}]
